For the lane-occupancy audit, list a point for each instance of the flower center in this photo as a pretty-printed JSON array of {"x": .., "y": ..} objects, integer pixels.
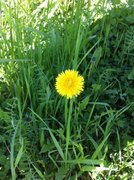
[{"x": 70, "y": 83}]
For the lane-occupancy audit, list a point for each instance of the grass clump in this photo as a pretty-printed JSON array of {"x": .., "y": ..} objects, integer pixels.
[{"x": 45, "y": 136}]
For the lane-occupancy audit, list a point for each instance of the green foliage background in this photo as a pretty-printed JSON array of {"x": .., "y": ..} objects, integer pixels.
[{"x": 38, "y": 40}]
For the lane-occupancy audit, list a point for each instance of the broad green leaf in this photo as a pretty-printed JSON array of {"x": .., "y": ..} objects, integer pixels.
[
  {"x": 85, "y": 161},
  {"x": 92, "y": 169},
  {"x": 20, "y": 153},
  {"x": 99, "y": 148},
  {"x": 39, "y": 173},
  {"x": 59, "y": 149}
]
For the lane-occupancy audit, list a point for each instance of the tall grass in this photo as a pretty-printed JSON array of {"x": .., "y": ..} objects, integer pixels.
[{"x": 38, "y": 40}]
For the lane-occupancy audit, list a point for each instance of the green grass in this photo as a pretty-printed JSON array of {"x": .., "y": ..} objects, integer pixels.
[{"x": 44, "y": 136}]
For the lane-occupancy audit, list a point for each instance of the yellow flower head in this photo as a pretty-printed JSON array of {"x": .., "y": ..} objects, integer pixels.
[{"x": 69, "y": 83}]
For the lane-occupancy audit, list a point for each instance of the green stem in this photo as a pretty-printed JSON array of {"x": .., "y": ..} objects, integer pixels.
[
  {"x": 66, "y": 112},
  {"x": 68, "y": 129}
]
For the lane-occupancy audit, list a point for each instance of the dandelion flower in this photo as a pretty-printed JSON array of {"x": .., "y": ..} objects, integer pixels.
[{"x": 69, "y": 83}]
